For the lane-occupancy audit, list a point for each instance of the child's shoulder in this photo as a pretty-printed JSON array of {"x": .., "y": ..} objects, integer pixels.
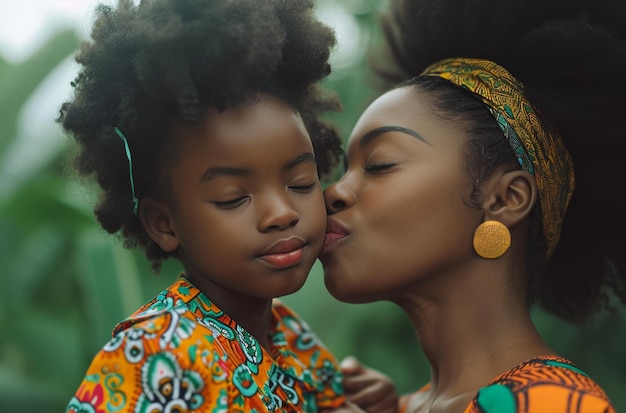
[
  {"x": 169, "y": 305},
  {"x": 282, "y": 309},
  {"x": 292, "y": 332},
  {"x": 286, "y": 319},
  {"x": 543, "y": 384}
]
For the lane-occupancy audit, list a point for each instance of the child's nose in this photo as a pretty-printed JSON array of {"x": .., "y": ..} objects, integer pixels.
[{"x": 278, "y": 214}]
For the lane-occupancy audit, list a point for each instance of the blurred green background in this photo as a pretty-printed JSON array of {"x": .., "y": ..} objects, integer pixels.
[{"x": 64, "y": 282}]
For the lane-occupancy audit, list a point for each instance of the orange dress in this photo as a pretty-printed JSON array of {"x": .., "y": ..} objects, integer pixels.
[
  {"x": 180, "y": 353},
  {"x": 547, "y": 384}
]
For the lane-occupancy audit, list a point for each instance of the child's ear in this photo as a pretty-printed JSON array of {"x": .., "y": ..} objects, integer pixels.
[
  {"x": 511, "y": 197},
  {"x": 156, "y": 219}
]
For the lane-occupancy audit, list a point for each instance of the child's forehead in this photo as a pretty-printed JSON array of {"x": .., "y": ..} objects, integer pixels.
[
  {"x": 236, "y": 130},
  {"x": 250, "y": 114}
]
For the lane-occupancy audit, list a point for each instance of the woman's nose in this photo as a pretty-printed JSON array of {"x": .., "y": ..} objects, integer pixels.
[{"x": 339, "y": 196}]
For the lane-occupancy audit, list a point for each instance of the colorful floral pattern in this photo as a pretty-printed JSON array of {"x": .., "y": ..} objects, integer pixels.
[
  {"x": 181, "y": 353},
  {"x": 545, "y": 384}
]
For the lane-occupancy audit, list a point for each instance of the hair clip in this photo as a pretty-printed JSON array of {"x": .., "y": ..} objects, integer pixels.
[{"x": 135, "y": 202}]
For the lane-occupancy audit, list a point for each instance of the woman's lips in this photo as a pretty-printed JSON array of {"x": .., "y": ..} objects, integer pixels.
[
  {"x": 335, "y": 232},
  {"x": 284, "y": 253},
  {"x": 330, "y": 240}
]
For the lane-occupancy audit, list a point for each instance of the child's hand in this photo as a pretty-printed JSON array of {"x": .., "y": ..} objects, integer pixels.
[{"x": 371, "y": 390}]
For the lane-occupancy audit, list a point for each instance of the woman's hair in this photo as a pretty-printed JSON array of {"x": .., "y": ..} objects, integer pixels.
[
  {"x": 154, "y": 65},
  {"x": 570, "y": 56}
]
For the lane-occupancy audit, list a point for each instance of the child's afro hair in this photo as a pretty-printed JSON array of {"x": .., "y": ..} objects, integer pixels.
[{"x": 159, "y": 62}]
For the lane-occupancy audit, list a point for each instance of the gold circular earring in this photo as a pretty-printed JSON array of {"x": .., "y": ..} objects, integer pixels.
[{"x": 492, "y": 239}]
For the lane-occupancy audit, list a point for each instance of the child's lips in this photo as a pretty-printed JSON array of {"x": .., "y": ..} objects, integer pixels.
[
  {"x": 284, "y": 260},
  {"x": 284, "y": 253}
]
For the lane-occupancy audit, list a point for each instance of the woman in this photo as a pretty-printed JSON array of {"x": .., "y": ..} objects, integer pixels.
[{"x": 453, "y": 204}]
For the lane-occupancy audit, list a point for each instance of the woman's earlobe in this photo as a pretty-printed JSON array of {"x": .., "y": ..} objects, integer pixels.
[{"x": 156, "y": 219}]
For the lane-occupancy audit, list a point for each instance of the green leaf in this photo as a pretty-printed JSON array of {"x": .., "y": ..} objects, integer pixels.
[
  {"x": 110, "y": 284},
  {"x": 31, "y": 262},
  {"x": 23, "y": 394},
  {"x": 17, "y": 82}
]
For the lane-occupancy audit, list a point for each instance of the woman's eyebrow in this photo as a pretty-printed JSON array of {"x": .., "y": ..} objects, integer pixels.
[{"x": 376, "y": 133}]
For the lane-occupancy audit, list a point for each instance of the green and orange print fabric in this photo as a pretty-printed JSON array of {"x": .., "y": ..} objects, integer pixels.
[
  {"x": 544, "y": 384},
  {"x": 181, "y": 353}
]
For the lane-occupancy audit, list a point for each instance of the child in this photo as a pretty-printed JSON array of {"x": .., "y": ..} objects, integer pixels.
[{"x": 199, "y": 120}]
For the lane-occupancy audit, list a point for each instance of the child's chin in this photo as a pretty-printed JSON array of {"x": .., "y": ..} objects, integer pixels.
[{"x": 294, "y": 285}]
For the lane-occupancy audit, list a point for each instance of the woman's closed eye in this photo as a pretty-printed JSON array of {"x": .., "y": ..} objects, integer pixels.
[{"x": 377, "y": 167}]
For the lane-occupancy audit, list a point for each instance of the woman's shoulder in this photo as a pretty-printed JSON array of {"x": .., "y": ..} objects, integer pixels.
[{"x": 542, "y": 384}]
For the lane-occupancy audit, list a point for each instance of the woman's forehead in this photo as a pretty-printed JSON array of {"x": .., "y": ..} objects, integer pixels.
[{"x": 404, "y": 108}]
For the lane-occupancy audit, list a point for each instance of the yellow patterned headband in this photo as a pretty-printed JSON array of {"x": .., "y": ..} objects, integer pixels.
[{"x": 539, "y": 150}]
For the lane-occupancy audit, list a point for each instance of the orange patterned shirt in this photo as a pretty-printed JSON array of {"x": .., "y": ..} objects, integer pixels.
[
  {"x": 547, "y": 384},
  {"x": 180, "y": 353}
]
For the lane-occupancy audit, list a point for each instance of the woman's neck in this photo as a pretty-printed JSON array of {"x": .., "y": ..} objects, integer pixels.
[{"x": 472, "y": 327}]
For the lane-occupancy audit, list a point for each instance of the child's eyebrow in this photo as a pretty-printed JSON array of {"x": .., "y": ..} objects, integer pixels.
[
  {"x": 216, "y": 171},
  {"x": 304, "y": 157}
]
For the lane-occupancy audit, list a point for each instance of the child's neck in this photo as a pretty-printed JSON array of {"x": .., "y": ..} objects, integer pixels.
[
  {"x": 254, "y": 314},
  {"x": 254, "y": 317}
]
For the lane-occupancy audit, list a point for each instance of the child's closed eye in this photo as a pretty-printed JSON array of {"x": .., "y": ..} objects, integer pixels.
[
  {"x": 231, "y": 203},
  {"x": 303, "y": 188}
]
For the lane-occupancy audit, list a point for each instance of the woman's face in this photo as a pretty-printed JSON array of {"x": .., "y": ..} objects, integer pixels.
[{"x": 398, "y": 217}]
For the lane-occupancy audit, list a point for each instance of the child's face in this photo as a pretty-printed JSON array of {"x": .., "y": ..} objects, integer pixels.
[{"x": 247, "y": 214}]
